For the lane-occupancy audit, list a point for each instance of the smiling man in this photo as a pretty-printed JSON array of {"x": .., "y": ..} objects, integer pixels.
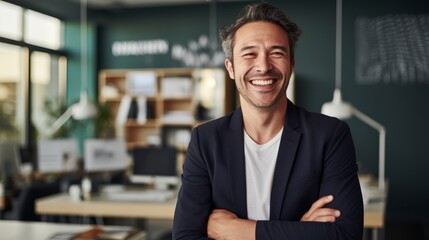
[{"x": 269, "y": 170}]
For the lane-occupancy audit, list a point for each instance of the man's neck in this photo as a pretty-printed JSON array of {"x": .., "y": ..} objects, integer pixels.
[{"x": 263, "y": 124}]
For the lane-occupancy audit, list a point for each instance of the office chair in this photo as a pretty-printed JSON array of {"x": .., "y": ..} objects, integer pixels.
[
  {"x": 9, "y": 165},
  {"x": 166, "y": 236},
  {"x": 29, "y": 194}
]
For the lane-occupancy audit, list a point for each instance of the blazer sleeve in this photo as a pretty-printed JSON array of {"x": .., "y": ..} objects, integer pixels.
[
  {"x": 339, "y": 178},
  {"x": 194, "y": 203}
]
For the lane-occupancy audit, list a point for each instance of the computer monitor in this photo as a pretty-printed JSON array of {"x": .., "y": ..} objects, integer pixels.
[
  {"x": 103, "y": 155},
  {"x": 57, "y": 155},
  {"x": 155, "y": 165}
]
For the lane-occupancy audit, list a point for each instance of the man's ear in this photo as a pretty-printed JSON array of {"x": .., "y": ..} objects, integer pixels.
[{"x": 230, "y": 68}]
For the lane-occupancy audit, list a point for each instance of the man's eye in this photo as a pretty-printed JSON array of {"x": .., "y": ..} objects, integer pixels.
[
  {"x": 277, "y": 54},
  {"x": 248, "y": 55}
]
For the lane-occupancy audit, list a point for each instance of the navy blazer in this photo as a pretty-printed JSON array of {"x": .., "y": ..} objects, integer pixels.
[{"x": 316, "y": 158}]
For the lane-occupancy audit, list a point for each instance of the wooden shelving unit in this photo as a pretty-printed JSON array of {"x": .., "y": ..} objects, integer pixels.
[{"x": 171, "y": 94}]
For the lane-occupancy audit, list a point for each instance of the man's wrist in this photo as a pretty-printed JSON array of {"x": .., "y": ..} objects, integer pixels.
[{"x": 242, "y": 229}]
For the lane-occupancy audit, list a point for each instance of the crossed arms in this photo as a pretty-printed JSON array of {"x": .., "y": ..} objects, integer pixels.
[{"x": 225, "y": 225}]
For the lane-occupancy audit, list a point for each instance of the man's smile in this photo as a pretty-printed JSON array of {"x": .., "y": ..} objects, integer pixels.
[{"x": 262, "y": 82}]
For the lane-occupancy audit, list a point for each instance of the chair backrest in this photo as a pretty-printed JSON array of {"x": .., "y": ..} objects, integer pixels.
[
  {"x": 9, "y": 163},
  {"x": 28, "y": 196},
  {"x": 8, "y": 157}
]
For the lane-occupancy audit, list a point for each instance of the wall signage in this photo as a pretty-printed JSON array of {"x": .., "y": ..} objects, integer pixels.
[
  {"x": 392, "y": 49},
  {"x": 139, "y": 48}
]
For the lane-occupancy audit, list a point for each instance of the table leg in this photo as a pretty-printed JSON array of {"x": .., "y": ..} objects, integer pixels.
[{"x": 374, "y": 234}]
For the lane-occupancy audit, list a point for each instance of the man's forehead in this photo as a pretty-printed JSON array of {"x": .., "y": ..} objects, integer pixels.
[
  {"x": 260, "y": 31},
  {"x": 257, "y": 40}
]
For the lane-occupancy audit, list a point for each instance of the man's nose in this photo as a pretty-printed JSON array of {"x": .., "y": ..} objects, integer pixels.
[{"x": 263, "y": 63}]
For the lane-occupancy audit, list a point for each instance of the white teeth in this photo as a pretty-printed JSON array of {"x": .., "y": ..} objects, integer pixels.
[{"x": 262, "y": 82}]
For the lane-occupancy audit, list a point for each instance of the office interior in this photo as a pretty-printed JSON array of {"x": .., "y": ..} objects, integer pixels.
[{"x": 385, "y": 74}]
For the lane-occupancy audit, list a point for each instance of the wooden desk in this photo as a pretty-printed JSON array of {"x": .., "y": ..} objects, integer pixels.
[{"x": 62, "y": 204}]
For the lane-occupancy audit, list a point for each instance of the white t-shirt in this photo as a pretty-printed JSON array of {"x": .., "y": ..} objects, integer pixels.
[{"x": 260, "y": 164}]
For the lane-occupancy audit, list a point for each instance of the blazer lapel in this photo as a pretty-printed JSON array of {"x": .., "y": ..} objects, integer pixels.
[
  {"x": 285, "y": 160},
  {"x": 236, "y": 164}
]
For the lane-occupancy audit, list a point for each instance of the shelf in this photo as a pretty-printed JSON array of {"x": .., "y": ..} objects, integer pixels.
[
  {"x": 148, "y": 124},
  {"x": 112, "y": 99},
  {"x": 169, "y": 124},
  {"x": 132, "y": 145},
  {"x": 180, "y": 99}
]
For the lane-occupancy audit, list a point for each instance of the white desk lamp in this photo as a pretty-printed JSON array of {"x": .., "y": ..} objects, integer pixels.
[
  {"x": 83, "y": 109},
  {"x": 344, "y": 110}
]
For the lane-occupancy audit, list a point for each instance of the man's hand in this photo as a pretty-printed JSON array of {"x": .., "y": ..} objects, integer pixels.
[
  {"x": 319, "y": 214},
  {"x": 223, "y": 224}
]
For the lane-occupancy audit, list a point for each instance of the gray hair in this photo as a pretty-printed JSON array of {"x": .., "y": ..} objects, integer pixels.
[{"x": 259, "y": 12}]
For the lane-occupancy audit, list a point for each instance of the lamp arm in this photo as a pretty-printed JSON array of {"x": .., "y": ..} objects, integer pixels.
[
  {"x": 382, "y": 157},
  {"x": 59, "y": 122},
  {"x": 382, "y": 144},
  {"x": 366, "y": 119}
]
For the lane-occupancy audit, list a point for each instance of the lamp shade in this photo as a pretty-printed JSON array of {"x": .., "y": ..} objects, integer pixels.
[
  {"x": 83, "y": 109},
  {"x": 338, "y": 108}
]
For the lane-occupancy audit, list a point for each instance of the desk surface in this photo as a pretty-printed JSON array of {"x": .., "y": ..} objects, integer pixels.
[{"x": 62, "y": 204}]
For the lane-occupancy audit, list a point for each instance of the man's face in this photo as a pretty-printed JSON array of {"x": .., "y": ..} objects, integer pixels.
[{"x": 261, "y": 64}]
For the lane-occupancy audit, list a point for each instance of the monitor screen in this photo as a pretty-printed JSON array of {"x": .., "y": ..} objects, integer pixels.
[
  {"x": 57, "y": 155},
  {"x": 105, "y": 155},
  {"x": 155, "y": 165}
]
